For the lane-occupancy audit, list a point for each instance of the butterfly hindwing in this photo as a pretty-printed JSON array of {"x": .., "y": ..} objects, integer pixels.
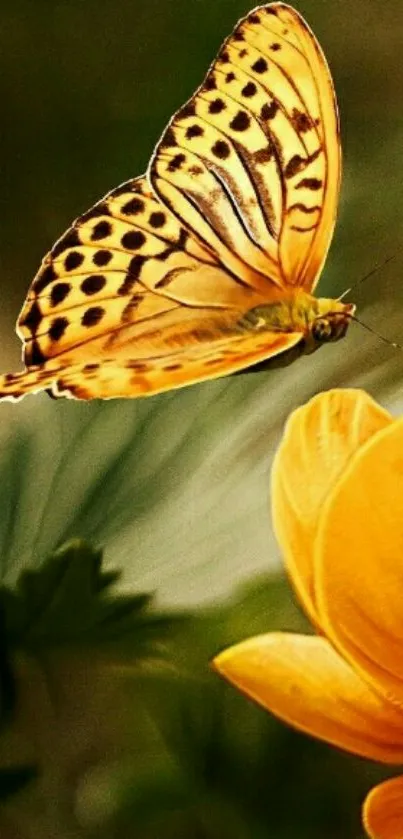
[
  {"x": 126, "y": 274},
  {"x": 114, "y": 377}
]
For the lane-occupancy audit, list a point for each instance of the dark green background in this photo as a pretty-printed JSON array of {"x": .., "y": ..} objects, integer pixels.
[{"x": 176, "y": 487}]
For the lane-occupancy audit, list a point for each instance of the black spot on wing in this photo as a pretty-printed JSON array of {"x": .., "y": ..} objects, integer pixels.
[
  {"x": 45, "y": 277},
  {"x": 101, "y": 230},
  {"x": 59, "y": 293},
  {"x": 269, "y": 110},
  {"x": 58, "y": 328},
  {"x": 309, "y": 183},
  {"x": 194, "y": 131},
  {"x": 195, "y": 170},
  {"x": 210, "y": 84},
  {"x": 138, "y": 366},
  {"x": 263, "y": 155},
  {"x": 133, "y": 206},
  {"x": 171, "y": 367},
  {"x": 301, "y": 121},
  {"x": 221, "y": 149},
  {"x": 157, "y": 220},
  {"x": 216, "y": 106},
  {"x": 70, "y": 239},
  {"x": 101, "y": 258},
  {"x": 176, "y": 162},
  {"x": 168, "y": 139},
  {"x": 133, "y": 240},
  {"x": 93, "y": 284},
  {"x": 210, "y": 362},
  {"x": 33, "y": 318},
  {"x": 297, "y": 163},
  {"x": 90, "y": 368},
  {"x": 240, "y": 122},
  {"x": 188, "y": 110},
  {"x": 73, "y": 260},
  {"x": 33, "y": 355},
  {"x": 92, "y": 316},
  {"x": 249, "y": 90},
  {"x": 260, "y": 66}
]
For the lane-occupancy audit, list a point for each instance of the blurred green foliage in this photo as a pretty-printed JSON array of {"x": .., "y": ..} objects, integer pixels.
[
  {"x": 125, "y": 732},
  {"x": 112, "y": 723}
]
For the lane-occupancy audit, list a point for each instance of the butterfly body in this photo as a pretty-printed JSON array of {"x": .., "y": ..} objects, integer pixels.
[
  {"x": 207, "y": 264},
  {"x": 318, "y": 319}
]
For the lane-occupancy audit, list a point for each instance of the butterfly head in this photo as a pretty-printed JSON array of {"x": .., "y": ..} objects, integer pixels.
[{"x": 331, "y": 320}]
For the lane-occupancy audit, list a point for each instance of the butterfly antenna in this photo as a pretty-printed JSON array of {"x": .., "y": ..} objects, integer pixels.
[
  {"x": 373, "y": 271},
  {"x": 373, "y": 332}
]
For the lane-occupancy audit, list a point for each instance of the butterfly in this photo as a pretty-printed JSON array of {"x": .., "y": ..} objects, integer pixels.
[{"x": 207, "y": 264}]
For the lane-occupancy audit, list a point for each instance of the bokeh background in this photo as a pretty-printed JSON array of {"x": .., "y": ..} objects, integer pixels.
[{"x": 174, "y": 488}]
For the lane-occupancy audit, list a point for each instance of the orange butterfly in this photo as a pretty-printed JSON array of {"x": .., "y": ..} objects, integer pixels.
[{"x": 207, "y": 264}]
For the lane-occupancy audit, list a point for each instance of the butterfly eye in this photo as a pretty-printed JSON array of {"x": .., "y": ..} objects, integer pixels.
[{"x": 322, "y": 330}]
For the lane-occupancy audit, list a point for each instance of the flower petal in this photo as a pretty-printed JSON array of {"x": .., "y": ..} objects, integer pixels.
[
  {"x": 319, "y": 441},
  {"x": 359, "y": 563},
  {"x": 303, "y": 681},
  {"x": 383, "y": 810}
]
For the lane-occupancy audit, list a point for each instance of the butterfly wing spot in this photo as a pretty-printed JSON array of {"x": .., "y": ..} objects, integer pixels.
[
  {"x": 92, "y": 284},
  {"x": 59, "y": 293},
  {"x": 57, "y": 328},
  {"x": 101, "y": 258},
  {"x": 132, "y": 207},
  {"x": 45, "y": 276}
]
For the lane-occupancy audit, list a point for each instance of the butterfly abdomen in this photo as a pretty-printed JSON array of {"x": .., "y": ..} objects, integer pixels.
[{"x": 292, "y": 312}]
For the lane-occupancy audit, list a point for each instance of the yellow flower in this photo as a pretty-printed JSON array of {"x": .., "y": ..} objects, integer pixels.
[{"x": 337, "y": 503}]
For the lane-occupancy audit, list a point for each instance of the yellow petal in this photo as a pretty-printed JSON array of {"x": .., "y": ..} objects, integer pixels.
[
  {"x": 319, "y": 440},
  {"x": 383, "y": 810},
  {"x": 359, "y": 563},
  {"x": 303, "y": 681}
]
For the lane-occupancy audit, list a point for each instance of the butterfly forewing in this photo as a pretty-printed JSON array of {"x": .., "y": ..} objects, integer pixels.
[{"x": 260, "y": 136}]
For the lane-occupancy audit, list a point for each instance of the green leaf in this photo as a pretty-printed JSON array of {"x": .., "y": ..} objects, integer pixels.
[{"x": 68, "y": 601}]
